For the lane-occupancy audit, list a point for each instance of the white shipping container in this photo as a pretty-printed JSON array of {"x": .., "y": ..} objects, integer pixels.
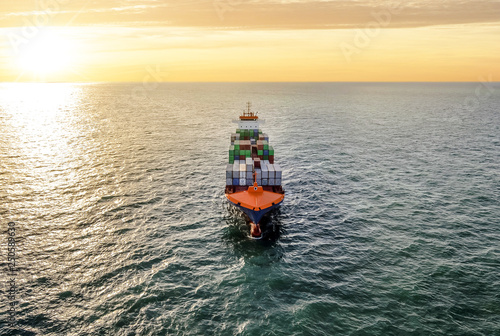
[
  {"x": 265, "y": 172},
  {"x": 258, "y": 171},
  {"x": 236, "y": 170},
  {"x": 249, "y": 161},
  {"x": 277, "y": 170},
  {"x": 249, "y": 167},
  {"x": 229, "y": 181},
  {"x": 259, "y": 181},
  {"x": 265, "y": 182},
  {"x": 243, "y": 182},
  {"x": 243, "y": 167},
  {"x": 249, "y": 182},
  {"x": 270, "y": 167},
  {"x": 249, "y": 175},
  {"x": 243, "y": 175},
  {"x": 278, "y": 181},
  {"x": 272, "y": 182}
]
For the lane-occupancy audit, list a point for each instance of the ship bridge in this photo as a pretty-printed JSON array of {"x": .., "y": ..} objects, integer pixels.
[{"x": 249, "y": 119}]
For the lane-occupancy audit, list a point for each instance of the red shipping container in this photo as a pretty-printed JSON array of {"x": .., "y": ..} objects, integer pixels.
[
  {"x": 256, "y": 162},
  {"x": 271, "y": 159}
]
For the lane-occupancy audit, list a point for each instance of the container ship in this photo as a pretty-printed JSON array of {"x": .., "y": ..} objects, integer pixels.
[{"x": 253, "y": 178}]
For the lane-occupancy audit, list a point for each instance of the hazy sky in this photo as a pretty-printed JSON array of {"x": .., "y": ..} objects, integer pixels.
[{"x": 247, "y": 40}]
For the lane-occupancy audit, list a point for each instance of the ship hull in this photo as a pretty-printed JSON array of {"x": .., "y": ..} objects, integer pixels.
[{"x": 256, "y": 215}]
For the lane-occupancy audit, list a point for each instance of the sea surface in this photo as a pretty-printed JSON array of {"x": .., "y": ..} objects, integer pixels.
[{"x": 390, "y": 225}]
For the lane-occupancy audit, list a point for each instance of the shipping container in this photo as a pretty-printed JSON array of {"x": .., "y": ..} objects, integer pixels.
[
  {"x": 229, "y": 171},
  {"x": 277, "y": 170},
  {"x": 258, "y": 173},
  {"x": 229, "y": 181},
  {"x": 270, "y": 168},
  {"x": 265, "y": 171}
]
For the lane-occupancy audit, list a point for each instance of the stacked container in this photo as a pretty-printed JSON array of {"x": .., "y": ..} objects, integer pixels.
[{"x": 249, "y": 154}]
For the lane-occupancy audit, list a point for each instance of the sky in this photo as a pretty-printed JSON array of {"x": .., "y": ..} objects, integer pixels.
[{"x": 249, "y": 40}]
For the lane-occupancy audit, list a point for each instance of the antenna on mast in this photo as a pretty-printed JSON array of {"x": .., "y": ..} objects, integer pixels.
[{"x": 248, "y": 112}]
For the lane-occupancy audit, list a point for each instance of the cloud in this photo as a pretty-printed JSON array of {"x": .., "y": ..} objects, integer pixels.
[{"x": 242, "y": 14}]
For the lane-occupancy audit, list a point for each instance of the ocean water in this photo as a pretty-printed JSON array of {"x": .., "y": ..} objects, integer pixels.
[{"x": 390, "y": 224}]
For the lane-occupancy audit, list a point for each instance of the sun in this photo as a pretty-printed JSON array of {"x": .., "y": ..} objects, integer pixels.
[{"x": 47, "y": 54}]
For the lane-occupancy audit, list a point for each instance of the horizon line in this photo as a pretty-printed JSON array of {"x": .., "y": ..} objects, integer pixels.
[{"x": 232, "y": 82}]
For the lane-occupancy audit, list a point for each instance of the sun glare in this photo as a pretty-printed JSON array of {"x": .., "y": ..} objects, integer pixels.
[{"x": 46, "y": 55}]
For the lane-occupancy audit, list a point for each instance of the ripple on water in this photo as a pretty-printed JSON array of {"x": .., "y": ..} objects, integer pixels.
[{"x": 388, "y": 226}]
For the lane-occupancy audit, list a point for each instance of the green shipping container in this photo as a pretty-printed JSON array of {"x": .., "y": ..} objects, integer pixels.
[
  {"x": 236, "y": 148},
  {"x": 260, "y": 152},
  {"x": 231, "y": 160},
  {"x": 266, "y": 147},
  {"x": 266, "y": 157}
]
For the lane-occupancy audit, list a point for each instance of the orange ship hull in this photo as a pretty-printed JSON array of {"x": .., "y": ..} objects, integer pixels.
[{"x": 255, "y": 201}]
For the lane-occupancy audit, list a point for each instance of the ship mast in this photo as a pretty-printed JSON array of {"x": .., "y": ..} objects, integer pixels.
[
  {"x": 249, "y": 105},
  {"x": 248, "y": 112}
]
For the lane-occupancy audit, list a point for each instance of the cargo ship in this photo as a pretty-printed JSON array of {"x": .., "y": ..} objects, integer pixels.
[{"x": 253, "y": 178}]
